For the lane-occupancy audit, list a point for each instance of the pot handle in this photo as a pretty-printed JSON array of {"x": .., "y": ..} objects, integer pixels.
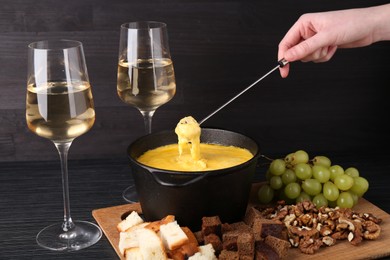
[{"x": 184, "y": 184}]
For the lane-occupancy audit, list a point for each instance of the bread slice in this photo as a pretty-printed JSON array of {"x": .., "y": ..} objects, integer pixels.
[
  {"x": 133, "y": 253},
  {"x": 183, "y": 252},
  {"x": 155, "y": 225},
  {"x": 131, "y": 220},
  {"x": 172, "y": 235},
  {"x": 206, "y": 252},
  {"x": 187, "y": 249},
  {"x": 150, "y": 245},
  {"x": 129, "y": 238}
]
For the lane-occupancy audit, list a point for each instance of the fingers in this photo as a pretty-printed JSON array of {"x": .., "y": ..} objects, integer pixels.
[
  {"x": 284, "y": 71},
  {"x": 316, "y": 48},
  {"x": 321, "y": 55}
]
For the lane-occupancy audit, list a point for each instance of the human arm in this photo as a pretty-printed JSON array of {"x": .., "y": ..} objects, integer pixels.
[{"x": 316, "y": 36}]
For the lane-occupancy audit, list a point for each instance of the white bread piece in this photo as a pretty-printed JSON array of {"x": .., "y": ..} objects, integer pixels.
[
  {"x": 155, "y": 225},
  {"x": 150, "y": 245},
  {"x": 131, "y": 220},
  {"x": 133, "y": 253},
  {"x": 206, "y": 252},
  {"x": 129, "y": 238},
  {"x": 172, "y": 235}
]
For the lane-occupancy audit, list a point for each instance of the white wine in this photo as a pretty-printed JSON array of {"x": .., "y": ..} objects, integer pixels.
[
  {"x": 60, "y": 112},
  {"x": 147, "y": 84}
]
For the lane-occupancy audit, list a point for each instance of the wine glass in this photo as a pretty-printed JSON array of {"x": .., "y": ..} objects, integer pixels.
[
  {"x": 59, "y": 107},
  {"x": 146, "y": 78}
]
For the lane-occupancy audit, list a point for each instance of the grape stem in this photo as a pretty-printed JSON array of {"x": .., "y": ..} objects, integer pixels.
[
  {"x": 265, "y": 163},
  {"x": 266, "y": 157}
]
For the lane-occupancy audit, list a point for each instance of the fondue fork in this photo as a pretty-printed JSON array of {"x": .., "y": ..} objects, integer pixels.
[{"x": 281, "y": 64}]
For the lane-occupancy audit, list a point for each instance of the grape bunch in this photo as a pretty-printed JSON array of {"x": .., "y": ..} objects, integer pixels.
[{"x": 296, "y": 178}]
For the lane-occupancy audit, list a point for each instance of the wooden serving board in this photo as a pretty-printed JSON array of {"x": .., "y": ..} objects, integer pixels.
[{"x": 108, "y": 218}]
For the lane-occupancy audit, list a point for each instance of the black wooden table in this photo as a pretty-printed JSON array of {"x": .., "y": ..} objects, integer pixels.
[{"x": 31, "y": 199}]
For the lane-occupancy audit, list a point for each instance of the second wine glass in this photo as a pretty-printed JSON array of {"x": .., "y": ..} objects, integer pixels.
[{"x": 146, "y": 78}]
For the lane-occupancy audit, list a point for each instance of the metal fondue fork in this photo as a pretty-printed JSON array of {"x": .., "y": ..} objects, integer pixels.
[{"x": 281, "y": 64}]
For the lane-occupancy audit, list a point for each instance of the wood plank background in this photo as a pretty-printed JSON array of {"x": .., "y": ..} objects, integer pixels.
[{"x": 218, "y": 48}]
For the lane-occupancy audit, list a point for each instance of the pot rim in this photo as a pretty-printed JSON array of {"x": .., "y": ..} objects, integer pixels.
[{"x": 192, "y": 173}]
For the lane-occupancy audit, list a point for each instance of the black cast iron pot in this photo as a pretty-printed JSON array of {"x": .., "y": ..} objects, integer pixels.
[{"x": 192, "y": 195}]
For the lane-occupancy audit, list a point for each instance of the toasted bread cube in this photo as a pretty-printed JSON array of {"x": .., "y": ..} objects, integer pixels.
[
  {"x": 172, "y": 235},
  {"x": 131, "y": 220}
]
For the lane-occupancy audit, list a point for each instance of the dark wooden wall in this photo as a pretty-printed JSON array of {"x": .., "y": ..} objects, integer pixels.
[{"x": 218, "y": 48}]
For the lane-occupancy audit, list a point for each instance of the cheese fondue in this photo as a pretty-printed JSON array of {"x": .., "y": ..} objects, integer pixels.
[{"x": 191, "y": 155}]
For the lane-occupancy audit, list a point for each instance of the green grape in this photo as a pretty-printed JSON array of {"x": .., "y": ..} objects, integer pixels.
[
  {"x": 360, "y": 186},
  {"x": 355, "y": 197},
  {"x": 311, "y": 186},
  {"x": 335, "y": 170},
  {"x": 303, "y": 197},
  {"x": 275, "y": 182},
  {"x": 292, "y": 190},
  {"x": 330, "y": 191},
  {"x": 288, "y": 177},
  {"x": 282, "y": 196},
  {"x": 345, "y": 200},
  {"x": 322, "y": 160},
  {"x": 321, "y": 173},
  {"x": 352, "y": 171},
  {"x": 303, "y": 171},
  {"x": 289, "y": 158},
  {"x": 277, "y": 167},
  {"x": 320, "y": 201},
  {"x": 300, "y": 156},
  {"x": 344, "y": 182},
  {"x": 265, "y": 194}
]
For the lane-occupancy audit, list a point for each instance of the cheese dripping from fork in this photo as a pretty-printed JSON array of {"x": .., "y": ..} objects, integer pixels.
[{"x": 188, "y": 131}]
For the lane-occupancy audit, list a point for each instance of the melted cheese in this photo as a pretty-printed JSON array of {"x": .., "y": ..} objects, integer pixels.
[
  {"x": 188, "y": 131},
  {"x": 191, "y": 155},
  {"x": 214, "y": 157}
]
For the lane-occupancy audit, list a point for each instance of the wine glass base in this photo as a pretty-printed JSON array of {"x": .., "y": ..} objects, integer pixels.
[
  {"x": 84, "y": 234},
  {"x": 130, "y": 194}
]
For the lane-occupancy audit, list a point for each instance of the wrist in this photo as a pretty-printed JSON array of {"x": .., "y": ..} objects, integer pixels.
[{"x": 381, "y": 15}]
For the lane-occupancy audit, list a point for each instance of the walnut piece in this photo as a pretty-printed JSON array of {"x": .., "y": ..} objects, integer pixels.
[
  {"x": 309, "y": 228},
  {"x": 309, "y": 246}
]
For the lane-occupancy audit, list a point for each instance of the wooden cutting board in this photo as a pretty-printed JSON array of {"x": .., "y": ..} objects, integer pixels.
[{"x": 108, "y": 218}]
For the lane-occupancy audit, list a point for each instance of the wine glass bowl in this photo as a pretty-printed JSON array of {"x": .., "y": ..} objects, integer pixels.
[
  {"x": 59, "y": 107},
  {"x": 146, "y": 78},
  {"x": 155, "y": 84}
]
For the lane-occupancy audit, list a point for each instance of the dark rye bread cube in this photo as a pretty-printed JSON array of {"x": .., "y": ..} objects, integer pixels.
[
  {"x": 264, "y": 252},
  {"x": 229, "y": 240},
  {"x": 240, "y": 226},
  {"x": 268, "y": 227},
  {"x": 231, "y": 233},
  {"x": 251, "y": 214},
  {"x": 225, "y": 227},
  {"x": 199, "y": 237},
  {"x": 211, "y": 225},
  {"x": 228, "y": 255},
  {"x": 215, "y": 241},
  {"x": 263, "y": 227},
  {"x": 246, "y": 245},
  {"x": 280, "y": 246}
]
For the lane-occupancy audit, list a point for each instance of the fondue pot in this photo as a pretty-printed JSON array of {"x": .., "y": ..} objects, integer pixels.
[{"x": 189, "y": 196}]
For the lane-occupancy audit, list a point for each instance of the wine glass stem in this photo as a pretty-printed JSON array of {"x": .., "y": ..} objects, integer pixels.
[
  {"x": 63, "y": 148},
  {"x": 148, "y": 115}
]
